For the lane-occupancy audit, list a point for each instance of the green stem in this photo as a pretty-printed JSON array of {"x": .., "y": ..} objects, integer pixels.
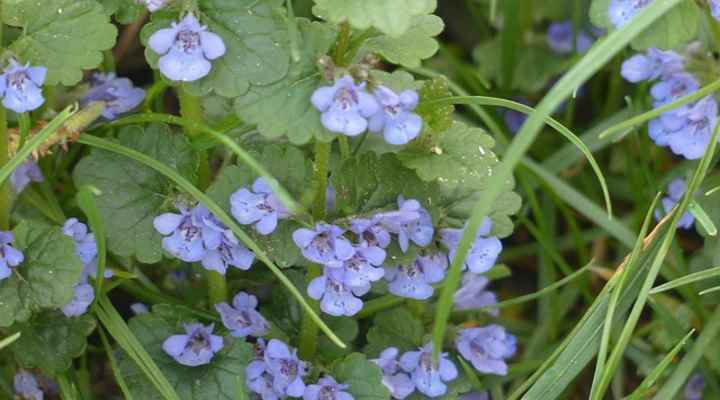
[
  {"x": 5, "y": 199},
  {"x": 191, "y": 109},
  {"x": 309, "y": 329}
]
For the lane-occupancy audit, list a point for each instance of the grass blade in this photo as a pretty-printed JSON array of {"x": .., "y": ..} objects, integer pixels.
[
  {"x": 86, "y": 201},
  {"x": 9, "y": 340},
  {"x": 221, "y": 215},
  {"x": 687, "y": 279},
  {"x": 702, "y": 218},
  {"x": 114, "y": 365}
]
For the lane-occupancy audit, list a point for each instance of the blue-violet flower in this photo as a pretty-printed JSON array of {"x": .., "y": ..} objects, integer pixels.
[
  {"x": 485, "y": 249},
  {"x": 395, "y": 117},
  {"x": 325, "y": 245},
  {"x": 487, "y": 348},
  {"x": 345, "y": 106},
  {"x": 327, "y": 388},
  {"x": 241, "y": 319},
  {"x": 9, "y": 256},
  {"x": 26, "y": 386},
  {"x": 196, "y": 347},
  {"x": 414, "y": 280},
  {"x": 411, "y": 223},
  {"x": 82, "y": 298},
  {"x": 429, "y": 377},
  {"x": 118, "y": 94},
  {"x": 397, "y": 382},
  {"x": 336, "y": 297},
  {"x": 472, "y": 294},
  {"x": 25, "y": 173},
  {"x": 259, "y": 206},
  {"x": 20, "y": 87}
]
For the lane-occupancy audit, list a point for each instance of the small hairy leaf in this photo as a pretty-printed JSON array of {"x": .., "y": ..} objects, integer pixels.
[
  {"x": 132, "y": 195},
  {"x": 390, "y": 17},
  {"x": 363, "y": 376},
  {"x": 397, "y": 328},
  {"x": 66, "y": 36},
  {"x": 46, "y": 277},
  {"x": 410, "y": 48},
  {"x": 51, "y": 340}
]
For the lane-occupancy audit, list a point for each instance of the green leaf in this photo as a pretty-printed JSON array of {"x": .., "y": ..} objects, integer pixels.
[
  {"x": 363, "y": 376},
  {"x": 255, "y": 38},
  {"x": 390, "y": 17},
  {"x": 346, "y": 329},
  {"x": 396, "y": 327},
  {"x": 128, "y": 11},
  {"x": 222, "y": 379},
  {"x": 283, "y": 109},
  {"x": 133, "y": 194},
  {"x": 66, "y": 36},
  {"x": 410, "y": 48},
  {"x": 46, "y": 277},
  {"x": 51, "y": 340},
  {"x": 437, "y": 118}
]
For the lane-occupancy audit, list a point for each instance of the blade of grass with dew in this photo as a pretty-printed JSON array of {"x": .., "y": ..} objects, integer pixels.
[
  {"x": 610, "y": 315},
  {"x": 687, "y": 279},
  {"x": 285, "y": 197},
  {"x": 118, "y": 329},
  {"x": 9, "y": 340},
  {"x": 36, "y": 141},
  {"x": 86, "y": 201},
  {"x": 708, "y": 334},
  {"x": 634, "y": 316},
  {"x": 646, "y": 385},
  {"x": 114, "y": 365},
  {"x": 221, "y": 215},
  {"x": 560, "y": 128},
  {"x": 702, "y": 218},
  {"x": 654, "y": 113}
]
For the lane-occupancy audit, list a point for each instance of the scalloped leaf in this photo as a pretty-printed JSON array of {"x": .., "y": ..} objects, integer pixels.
[
  {"x": 66, "y": 36},
  {"x": 397, "y": 328},
  {"x": 390, "y": 17},
  {"x": 410, "y": 48},
  {"x": 363, "y": 376}
]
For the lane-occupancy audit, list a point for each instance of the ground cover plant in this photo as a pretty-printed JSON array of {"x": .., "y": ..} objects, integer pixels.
[{"x": 359, "y": 199}]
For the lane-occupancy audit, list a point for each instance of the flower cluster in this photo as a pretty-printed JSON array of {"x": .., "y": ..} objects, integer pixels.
[
  {"x": 10, "y": 257},
  {"x": 196, "y": 347},
  {"x": 621, "y": 12},
  {"x": 675, "y": 192},
  {"x": 258, "y": 206},
  {"x": 349, "y": 109},
  {"x": 686, "y": 129},
  {"x": 487, "y": 348},
  {"x": 118, "y": 94},
  {"x": 276, "y": 372},
  {"x": 186, "y": 49},
  {"x": 416, "y": 370},
  {"x": 241, "y": 319},
  {"x": 20, "y": 87},
  {"x": 197, "y": 235},
  {"x": 560, "y": 38}
]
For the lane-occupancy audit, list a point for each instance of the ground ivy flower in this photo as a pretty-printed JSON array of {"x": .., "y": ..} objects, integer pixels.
[
  {"x": 286, "y": 369},
  {"x": 325, "y": 245},
  {"x": 560, "y": 38},
  {"x": 694, "y": 387},
  {"x": 327, "y": 388},
  {"x": 25, "y": 173},
  {"x": 414, "y": 280},
  {"x": 487, "y": 348},
  {"x": 118, "y": 94},
  {"x": 429, "y": 377},
  {"x": 196, "y": 347},
  {"x": 364, "y": 266},
  {"x": 85, "y": 243},
  {"x": 259, "y": 206},
  {"x": 26, "y": 386},
  {"x": 185, "y": 49},
  {"x": 472, "y": 294},
  {"x": 411, "y": 223},
  {"x": 370, "y": 232},
  {"x": 82, "y": 298},
  {"x": 336, "y": 297},
  {"x": 673, "y": 87},
  {"x": 675, "y": 192},
  {"x": 485, "y": 249},
  {"x": 395, "y": 118},
  {"x": 257, "y": 375},
  {"x": 652, "y": 65},
  {"x": 622, "y": 11},
  {"x": 20, "y": 87},
  {"x": 690, "y": 135},
  {"x": 397, "y": 382},
  {"x": 241, "y": 319},
  {"x": 222, "y": 248},
  {"x": 184, "y": 233},
  {"x": 10, "y": 257},
  {"x": 714, "y": 8},
  {"x": 139, "y": 308},
  {"x": 345, "y": 106}
]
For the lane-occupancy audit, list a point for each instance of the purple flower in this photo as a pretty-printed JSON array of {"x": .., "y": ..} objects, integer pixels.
[
  {"x": 25, "y": 173},
  {"x": 673, "y": 87},
  {"x": 185, "y": 49},
  {"x": 9, "y": 256},
  {"x": 655, "y": 64},
  {"x": 222, "y": 247},
  {"x": 241, "y": 318},
  {"x": 83, "y": 297},
  {"x": 185, "y": 233},
  {"x": 327, "y": 388},
  {"x": 715, "y": 8},
  {"x": 487, "y": 348},
  {"x": 257, "y": 375},
  {"x": 676, "y": 190},
  {"x": 397, "y": 382},
  {"x": 139, "y": 308},
  {"x": 370, "y": 232},
  {"x": 259, "y": 206},
  {"x": 411, "y": 223},
  {"x": 472, "y": 294},
  {"x": 484, "y": 252},
  {"x": 414, "y": 280},
  {"x": 286, "y": 369},
  {"x": 345, "y": 106},
  {"x": 560, "y": 38},
  {"x": 196, "y": 347},
  {"x": 118, "y": 94},
  {"x": 622, "y": 11},
  {"x": 688, "y": 130},
  {"x": 363, "y": 267},
  {"x": 26, "y": 386},
  {"x": 694, "y": 388},
  {"x": 395, "y": 117},
  {"x": 85, "y": 244},
  {"x": 325, "y": 245},
  {"x": 429, "y": 378},
  {"x": 336, "y": 297},
  {"x": 153, "y": 5},
  {"x": 20, "y": 86}
]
